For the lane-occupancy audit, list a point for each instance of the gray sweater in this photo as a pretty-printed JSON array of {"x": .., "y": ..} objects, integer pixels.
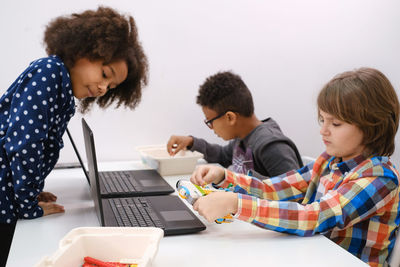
[{"x": 273, "y": 153}]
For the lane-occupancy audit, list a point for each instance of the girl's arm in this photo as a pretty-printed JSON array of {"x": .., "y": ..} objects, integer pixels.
[{"x": 33, "y": 111}]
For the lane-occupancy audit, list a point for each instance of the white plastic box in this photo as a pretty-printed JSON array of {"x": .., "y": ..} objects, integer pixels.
[
  {"x": 136, "y": 244},
  {"x": 157, "y": 157}
]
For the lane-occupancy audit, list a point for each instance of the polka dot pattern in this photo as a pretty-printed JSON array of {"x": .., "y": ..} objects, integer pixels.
[{"x": 34, "y": 113}]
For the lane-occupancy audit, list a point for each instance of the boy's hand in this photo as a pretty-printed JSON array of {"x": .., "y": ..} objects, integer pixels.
[
  {"x": 216, "y": 205},
  {"x": 46, "y": 197},
  {"x": 206, "y": 174},
  {"x": 51, "y": 208},
  {"x": 177, "y": 143}
]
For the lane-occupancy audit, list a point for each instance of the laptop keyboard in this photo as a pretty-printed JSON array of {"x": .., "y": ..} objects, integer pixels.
[
  {"x": 134, "y": 212},
  {"x": 120, "y": 182}
]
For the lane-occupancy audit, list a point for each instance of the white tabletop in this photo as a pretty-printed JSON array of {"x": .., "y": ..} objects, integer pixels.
[{"x": 232, "y": 244}]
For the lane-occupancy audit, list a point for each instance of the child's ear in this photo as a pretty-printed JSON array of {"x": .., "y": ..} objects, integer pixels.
[{"x": 232, "y": 117}]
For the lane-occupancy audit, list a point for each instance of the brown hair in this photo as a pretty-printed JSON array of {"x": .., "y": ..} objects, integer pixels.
[
  {"x": 105, "y": 35},
  {"x": 366, "y": 99}
]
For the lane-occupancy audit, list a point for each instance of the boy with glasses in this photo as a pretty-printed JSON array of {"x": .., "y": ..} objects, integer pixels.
[
  {"x": 259, "y": 146},
  {"x": 350, "y": 193}
]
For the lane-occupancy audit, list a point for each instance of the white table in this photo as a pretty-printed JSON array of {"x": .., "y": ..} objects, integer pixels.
[{"x": 233, "y": 244}]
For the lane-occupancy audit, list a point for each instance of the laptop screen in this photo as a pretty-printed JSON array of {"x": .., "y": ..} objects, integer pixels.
[
  {"x": 78, "y": 155},
  {"x": 93, "y": 173}
]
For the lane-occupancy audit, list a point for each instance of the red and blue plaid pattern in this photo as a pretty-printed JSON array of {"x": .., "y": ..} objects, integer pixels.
[{"x": 354, "y": 203}]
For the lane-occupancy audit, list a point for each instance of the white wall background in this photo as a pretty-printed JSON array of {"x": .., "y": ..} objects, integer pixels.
[{"x": 284, "y": 50}]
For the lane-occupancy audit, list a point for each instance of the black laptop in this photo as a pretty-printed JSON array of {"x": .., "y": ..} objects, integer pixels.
[
  {"x": 124, "y": 183},
  {"x": 164, "y": 211}
]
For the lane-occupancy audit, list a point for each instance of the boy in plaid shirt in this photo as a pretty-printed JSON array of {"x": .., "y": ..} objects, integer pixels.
[{"x": 350, "y": 193}]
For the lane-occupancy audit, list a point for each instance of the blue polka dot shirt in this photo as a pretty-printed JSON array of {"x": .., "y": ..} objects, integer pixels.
[{"x": 34, "y": 113}]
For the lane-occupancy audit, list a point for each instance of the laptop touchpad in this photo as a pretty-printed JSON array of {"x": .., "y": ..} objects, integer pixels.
[
  {"x": 150, "y": 182},
  {"x": 176, "y": 215}
]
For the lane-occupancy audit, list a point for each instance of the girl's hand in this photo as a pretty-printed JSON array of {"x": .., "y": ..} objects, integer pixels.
[
  {"x": 216, "y": 205},
  {"x": 46, "y": 197},
  {"x": 50, "y": 208},
  {"x": 206, "y": 174}
]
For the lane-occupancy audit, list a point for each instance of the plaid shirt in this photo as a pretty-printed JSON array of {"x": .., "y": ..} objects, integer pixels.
[{"x": 354, "y": 203}]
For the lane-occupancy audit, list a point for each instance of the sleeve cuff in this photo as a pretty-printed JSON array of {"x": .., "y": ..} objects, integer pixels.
[
  {"x": 31, "y": 213},
  {"x": 225, "y": 183},
  {"x": 194, "y": 145},
  {"x": 247, "y": 208}
]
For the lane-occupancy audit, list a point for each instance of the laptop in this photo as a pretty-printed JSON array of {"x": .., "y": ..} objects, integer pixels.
[
  {"x": 124, "y": 183},
  {"x": 163, "y": 211}
]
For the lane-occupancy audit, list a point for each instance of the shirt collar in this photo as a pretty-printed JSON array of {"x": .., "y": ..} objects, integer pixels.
[{"x": 345, "y": 166}]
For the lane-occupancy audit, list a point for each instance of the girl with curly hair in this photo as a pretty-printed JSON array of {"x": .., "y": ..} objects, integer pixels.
[{"x": 94, "y": 56}]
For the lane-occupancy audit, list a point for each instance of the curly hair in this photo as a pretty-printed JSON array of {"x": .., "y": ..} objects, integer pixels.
[
  {"x": 226, "y": 91},
  {"x": 105, "y": 35},
  {"x": 366, "y": 99}
]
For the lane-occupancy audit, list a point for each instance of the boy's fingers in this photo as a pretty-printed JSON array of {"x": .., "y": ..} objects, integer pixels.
[
  {"x": 204, "y": 175},
  {"x": 175, "y": 145},
  {"x": 208, "y": 175},
  {"x": 170, "y": 145},
  {"x": 195, "y": 205},
  {"x": 196, "y": 177},
  {"x": 179, "y": 148},
  {"x": 208, "y": 178},
  {"x": 193, "y": 180}
]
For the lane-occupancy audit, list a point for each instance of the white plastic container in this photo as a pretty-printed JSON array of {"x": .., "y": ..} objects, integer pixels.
[
  {"x": 157, "y": 157},
  {"x": 136, "y": 244}
]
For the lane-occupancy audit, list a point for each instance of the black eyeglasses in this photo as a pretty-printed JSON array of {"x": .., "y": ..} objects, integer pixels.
[{"x": 209, "y": 122}]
